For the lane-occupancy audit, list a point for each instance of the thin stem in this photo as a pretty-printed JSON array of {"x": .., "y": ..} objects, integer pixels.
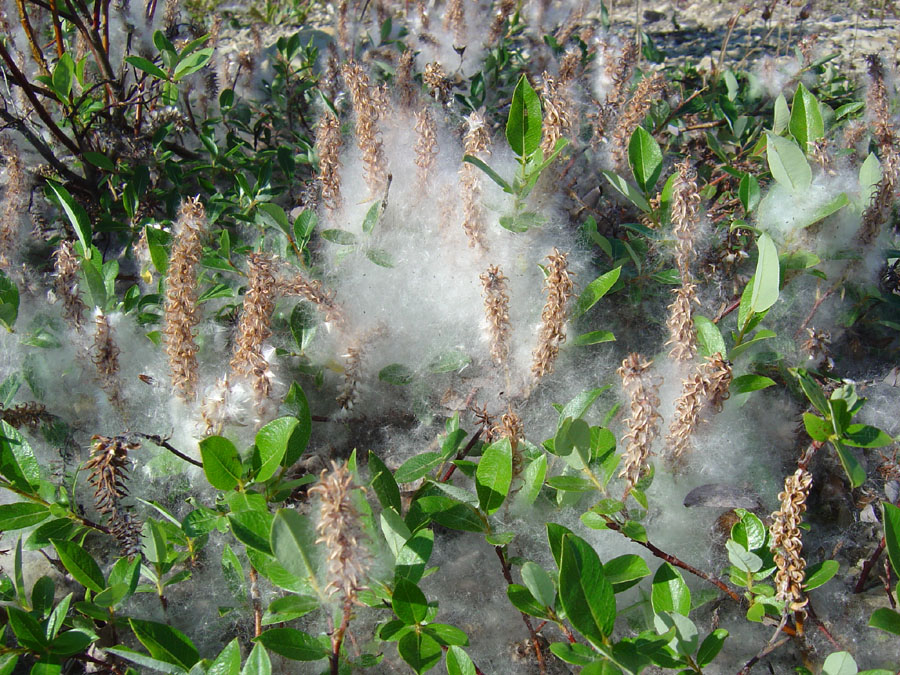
[
  {"x": 338, "y": 638},
  {"x": 462, "y": 454},
  {"x": 6, "y": 485},
  {"x": 255, "y": 602},
  {"x": 163, "y": 443},
  {"x": 32, "y": 40},
  {"x": 23, "y": 82},
  {"x": 507, "y": 574},
  {"x": 868, "y": 565},
  {"x": 669, "y": 558}
]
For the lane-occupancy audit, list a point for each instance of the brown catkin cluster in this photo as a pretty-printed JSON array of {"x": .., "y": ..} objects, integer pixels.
[
  {"x": 30, "y": 414},
  {"x": 557, "y": 114},
  {"x": 340, "y": 532},
  {"x": 328, "y": 148},
  {"x": 648, "y": 90},
  {"x": 879, "y": 209},
  {"x": 787, "y": 543},
  {"x": 685, "y": 217},
  {"x": 365, "y": 104},
  {"x": 426, "y": 147},
  {"x": 619, "y": 73},
  {"x": 109, "y": 466},
  {"x": 181, "y": 310},
  {"x": 435, "y": 78},
  {"x": 105, "y": 356},
  {"x": 13, "y": 203},
  {"x": 455, "y": 20},
  {"x": 404, "y": 84},
  {"x": 706, "y": 387},
  {"x": 502, "y": 11},
  {"x": 343, "y": 25},
  {"x": 643, "y": 424},
  {"x": 353, "y": 372},
  {"x": 477, "y": 143},
  {"x": 496, "y": 310},
  {"x": 313, "y": 292},
  {"x": 569, "y": 65},
  {"x": 66, "y": 284},
  {"x": 681, "y": 323},
  {"x": 511, "y": 428},
  {"x": 552, "y": 334},
  {"x": 253, "y": 328},
  {"x": 685, "y": 213}
]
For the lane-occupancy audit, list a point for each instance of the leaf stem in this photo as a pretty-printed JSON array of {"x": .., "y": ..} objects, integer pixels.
[
  {"x": 534, "y": 638},
  {"x": 669, "y": 558}
]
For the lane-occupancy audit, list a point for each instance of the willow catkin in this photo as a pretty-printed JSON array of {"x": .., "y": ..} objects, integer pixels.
[
  {"x": 65, "y": 285},
  {"x": 643, "y": 423},
  {"x": 340, "y": 532},
  {"x": 328, "y": 148},
  {"x": 685, "y": 216},
  {"x": 512, "y": 429},
  {"x": 435, "y": 78},
  {"x": 13, "y": 203},
  {"x": 105, "y": 356},
  {"x": 404, "y": 84},
  {"x": 787, "y": 541},
  {"x": 476, "y": 143},
  {"x": 503, "y": 9},
  {"x": 496, "y": 311},
  {"x": 618, "y": 72},
  {"x": 253, "y": 328},
  {"x": 455, "y": 21},
  {"x": 29, "y": 414},
  {"x": 648, "y": 90},
  {"x": 557, "y": 114},
  {"x": 426, "y": 147},
  {"x": 707, "y": 387},
  {"x": 343, "y": 25},
  {"x": 552, "y": 333},
  {"x": 181, "y": 313},
  {"x": 109, "y": 465},
  {"x": 365, "y": 105},
  {"x": 314, "y": 292},
  {"x": 681, "y": 323},
  {"x": 354, "y": 367},
  {"x": 879, "y": 209}
]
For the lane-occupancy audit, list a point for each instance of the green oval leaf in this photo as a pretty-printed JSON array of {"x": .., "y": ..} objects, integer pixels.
[
  {"x": 293, "y": 543},
  {"x": 493, "y": 476},
  {"x": 165, "y": 643},
  {"x": 596, "y": 290},
  {"x": 584, "y": 592},
  {"x": 293, "y": 644},
  {"x": 341, "y": 237},
  {"x": 539, "y": 583},
  {"x": 806, "y": 124},
  {"x": 21, "y": 514},
  {"x": 76, "y": 215},
  {"x": 272, "y": 443},
  {"x": 221, "y": 462},
  {"x": 80, "y": 565},
  {"x": 645, "y": 157},
  {"x": 523, "y": 126},
  {"x": 766, "y": 281},
  {"x": 788, "y": 163},
  {"x": 409, "y": 602},
  {"x": 820, "y": 573},
  {"x": 670, "y": 593}
]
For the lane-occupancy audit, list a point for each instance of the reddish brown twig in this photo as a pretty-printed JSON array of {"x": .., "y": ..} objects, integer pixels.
[
  {"x": 534, "y": 638},
  {"x": 677, "y": 562},
  {"x": 868, "y": 565}
]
